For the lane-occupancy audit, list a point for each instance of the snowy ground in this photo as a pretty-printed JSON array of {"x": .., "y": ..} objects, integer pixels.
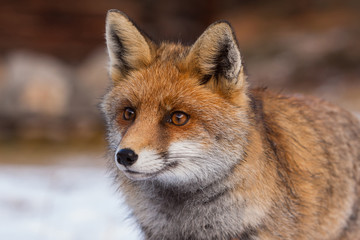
[{"x": 61, "y": 203}]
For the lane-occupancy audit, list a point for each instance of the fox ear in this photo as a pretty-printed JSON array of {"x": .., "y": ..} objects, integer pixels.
[
  {"x": 128, "y": 47},
  {"x": 216, "y": 55}
]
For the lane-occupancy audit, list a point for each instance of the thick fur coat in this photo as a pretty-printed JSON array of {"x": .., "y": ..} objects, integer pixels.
[{"x": 209, "y": 158}]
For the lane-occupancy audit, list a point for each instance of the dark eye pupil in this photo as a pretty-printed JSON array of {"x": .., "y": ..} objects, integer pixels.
[
  {"x": 179, "y": 118},
  {"x": 129, "y": 114}
]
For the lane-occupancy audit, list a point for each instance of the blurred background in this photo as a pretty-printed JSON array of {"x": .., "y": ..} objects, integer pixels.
[{"x": 53, "y": 182}]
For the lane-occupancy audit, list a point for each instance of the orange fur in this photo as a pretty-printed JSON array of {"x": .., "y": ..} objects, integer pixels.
[{"x": 288, "y": 166}]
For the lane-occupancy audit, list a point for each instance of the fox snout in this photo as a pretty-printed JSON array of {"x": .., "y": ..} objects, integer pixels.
[{"x": 126, "y": 157}]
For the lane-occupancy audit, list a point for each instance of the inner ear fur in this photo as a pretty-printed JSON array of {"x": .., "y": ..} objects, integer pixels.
[
  {"x": 128, "y": 47},
  {"x": 216, "y": 55}
]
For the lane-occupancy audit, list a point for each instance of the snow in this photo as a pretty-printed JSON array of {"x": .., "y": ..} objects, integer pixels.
[{"x": 61, "y": 202}]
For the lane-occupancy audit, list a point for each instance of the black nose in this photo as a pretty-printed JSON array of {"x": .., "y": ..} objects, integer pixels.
[{"x": 126, "y": 157}]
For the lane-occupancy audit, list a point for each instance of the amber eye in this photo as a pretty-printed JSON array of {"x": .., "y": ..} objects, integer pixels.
[
  {"x": 129, "y": 114},
  {"x": 179, "y": 118}
]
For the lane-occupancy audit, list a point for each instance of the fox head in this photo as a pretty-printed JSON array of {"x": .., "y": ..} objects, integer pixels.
[{"x": 177, "y": 115}]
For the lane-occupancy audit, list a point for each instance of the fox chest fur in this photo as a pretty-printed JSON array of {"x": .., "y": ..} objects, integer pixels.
[
  {"x": 199, "y": 216},
  {"x": 199, "y": 155}
]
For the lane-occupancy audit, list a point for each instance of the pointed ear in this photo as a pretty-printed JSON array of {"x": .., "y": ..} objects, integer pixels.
[
  {"x": 216, "y": 55},
  {"x": 128, "y": 47}
]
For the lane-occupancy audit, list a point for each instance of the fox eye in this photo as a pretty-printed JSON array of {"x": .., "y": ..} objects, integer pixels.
[
  {"x": 129, "y": 114},
  {"x": 179, "y": 118}
]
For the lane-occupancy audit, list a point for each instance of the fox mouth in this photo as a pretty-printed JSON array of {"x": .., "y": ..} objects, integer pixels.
[
  {"x": 133, "y": 172},
  {"x": 136, "y": 175}
]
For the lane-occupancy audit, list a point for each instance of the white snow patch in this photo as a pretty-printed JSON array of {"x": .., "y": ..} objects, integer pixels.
[{"x": 61, "y": 203}]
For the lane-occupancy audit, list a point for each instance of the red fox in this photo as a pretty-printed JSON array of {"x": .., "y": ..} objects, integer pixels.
[{"x": 199, "y": 155}]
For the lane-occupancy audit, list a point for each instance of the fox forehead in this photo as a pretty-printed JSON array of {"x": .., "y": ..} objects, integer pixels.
[{"x": 164, "y": 87}]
